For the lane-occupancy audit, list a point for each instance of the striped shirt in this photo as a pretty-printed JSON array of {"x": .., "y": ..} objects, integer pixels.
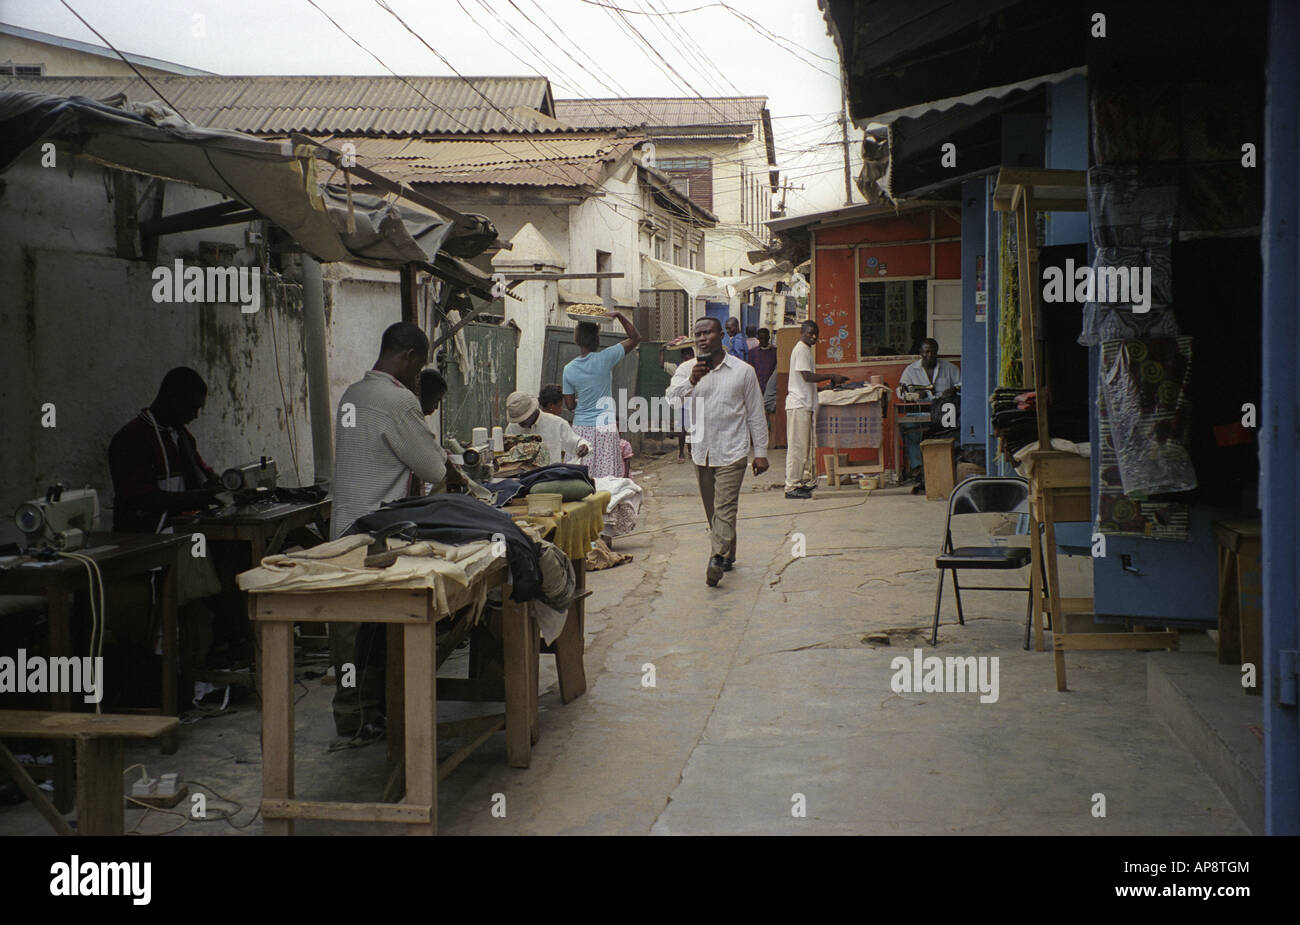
[
  {"x": 726, "y": 412},
  {"x": 380, "y": 437}
]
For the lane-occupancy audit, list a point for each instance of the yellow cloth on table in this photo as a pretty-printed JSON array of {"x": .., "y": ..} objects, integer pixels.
[{"x": 578, "y": 524}]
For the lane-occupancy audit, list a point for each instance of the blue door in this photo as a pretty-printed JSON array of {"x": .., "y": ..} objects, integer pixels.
[{"x": 719, "y": 310}]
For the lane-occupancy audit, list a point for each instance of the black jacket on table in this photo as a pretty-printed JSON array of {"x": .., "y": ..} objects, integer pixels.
[{"x": 458, "y": 519}]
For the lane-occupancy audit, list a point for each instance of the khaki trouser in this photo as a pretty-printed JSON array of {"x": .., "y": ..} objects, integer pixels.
[
  {"x": 800, "y": 449},
  {"x": 720, "y": 492},
  {"x": 361, "y": 645}
]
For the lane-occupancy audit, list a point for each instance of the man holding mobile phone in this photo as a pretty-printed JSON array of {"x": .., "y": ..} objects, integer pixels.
[{"x": 727, "y": 425}]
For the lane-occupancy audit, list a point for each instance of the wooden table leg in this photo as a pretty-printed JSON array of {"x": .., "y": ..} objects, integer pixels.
[
  {"x": 1036, "y": 579},
  {"x": 514, "y": 638},
  {"x": 99, "y": 786},
  {"x": 60, "y": 615},
  {"x": 277, "y": 718},
  {"x": 1229, "y": 645},
  {"x": 533, "y": 659},
  {"x": 170, "y": 665},
  {"x": 570, "y": 645},
  {"x": 420, "y": 655},
  {"x": 395, "y": 708},
  {"x": 1059, "y": 628}
]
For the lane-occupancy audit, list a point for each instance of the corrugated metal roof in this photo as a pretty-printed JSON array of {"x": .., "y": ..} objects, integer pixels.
[
  {"x": 332, "y": 105},
  {"x": 558, "y": 160},
  {"x": 661, "y": 112}
]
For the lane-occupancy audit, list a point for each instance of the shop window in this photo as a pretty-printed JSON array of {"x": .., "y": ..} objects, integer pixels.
[
  {"x": 22, "y": 70},
  {"x": 892, "y": 316}
]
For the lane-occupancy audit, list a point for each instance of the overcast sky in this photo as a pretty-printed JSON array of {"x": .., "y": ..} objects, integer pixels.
[{"x": 709, "y": 51}]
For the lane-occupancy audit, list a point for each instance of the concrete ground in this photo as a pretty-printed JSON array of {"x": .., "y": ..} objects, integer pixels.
[{"x": 771, "y": 710}]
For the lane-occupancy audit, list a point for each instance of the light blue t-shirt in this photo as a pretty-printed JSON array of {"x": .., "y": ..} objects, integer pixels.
[{"x": 591, "y": 378}]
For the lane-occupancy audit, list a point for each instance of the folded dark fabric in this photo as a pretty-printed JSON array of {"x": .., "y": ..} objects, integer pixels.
[
  {"x": 459, "y": 519},
  {"x": 503, "y": 490},
  {"x": 553, "y": 473}
]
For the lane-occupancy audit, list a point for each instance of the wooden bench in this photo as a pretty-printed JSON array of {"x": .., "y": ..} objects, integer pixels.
[{"x": 100, "y": 800}]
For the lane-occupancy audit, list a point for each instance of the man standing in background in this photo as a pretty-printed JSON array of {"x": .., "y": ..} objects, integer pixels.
[
  {"x": 801, "y": 413},
  {"x": 735, "y": 343}
]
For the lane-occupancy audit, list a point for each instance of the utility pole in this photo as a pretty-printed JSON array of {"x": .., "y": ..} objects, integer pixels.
[{"x": 848, "y": 183}]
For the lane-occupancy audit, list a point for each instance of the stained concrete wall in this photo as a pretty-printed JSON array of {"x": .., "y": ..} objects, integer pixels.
[{"x": 79, "y": 329}]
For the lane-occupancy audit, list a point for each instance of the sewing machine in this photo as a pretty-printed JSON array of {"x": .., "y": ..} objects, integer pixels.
[
  {"x": 61, "y": 520},
  {"x": 250, "y": 476},
  {"x": 475, "y": 462}
]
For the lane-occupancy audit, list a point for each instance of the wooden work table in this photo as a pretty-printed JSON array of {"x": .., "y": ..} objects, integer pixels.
[
  {"x": 413, "y": 693},
  {"x": 413, "y": 688},
  {"x": 119, "y": 556},
  {"x": 1060, "y": 487}
]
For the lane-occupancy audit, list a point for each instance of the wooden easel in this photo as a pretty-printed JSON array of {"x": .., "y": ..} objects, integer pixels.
[{"x": 1060, "y": 485}]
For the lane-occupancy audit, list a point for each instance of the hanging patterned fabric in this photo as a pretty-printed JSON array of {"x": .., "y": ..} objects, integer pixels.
[
  {"x": 1010, "y": 357},
  {"x": 1141, "y": 412}
]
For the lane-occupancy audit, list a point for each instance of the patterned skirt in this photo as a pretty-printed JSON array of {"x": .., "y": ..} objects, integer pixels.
[{"x": 606, "y": 456}]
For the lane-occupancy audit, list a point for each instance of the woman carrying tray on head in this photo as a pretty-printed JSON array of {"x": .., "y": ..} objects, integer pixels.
[{"x": 589, "y": 393}]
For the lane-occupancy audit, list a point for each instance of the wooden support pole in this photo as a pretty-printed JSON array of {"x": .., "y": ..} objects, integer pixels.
[{"x": 409, "y": 294}]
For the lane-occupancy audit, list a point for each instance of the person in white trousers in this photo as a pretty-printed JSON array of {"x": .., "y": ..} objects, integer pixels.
[{"x": 801, "y": 413}]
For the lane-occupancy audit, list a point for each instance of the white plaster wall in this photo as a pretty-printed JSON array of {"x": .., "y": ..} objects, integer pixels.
[
  {"x": 726, "y": 246},
  {"x": 79, "y": 328},
  {"x": 65, "y": 62},
  {"x": 609, "y": 223}
]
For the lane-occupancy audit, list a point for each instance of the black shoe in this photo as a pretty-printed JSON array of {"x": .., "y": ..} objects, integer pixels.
[
  {"x": 729, "y": 564},
  {"x": 799, "y": 494},
  {"x": 367, "y": 735},
  {"x": 717, "y": 565}
]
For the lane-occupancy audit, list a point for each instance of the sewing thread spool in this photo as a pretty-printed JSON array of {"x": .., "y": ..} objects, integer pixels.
[
  {"x": 480, "y": 436},
  {"x": 498, "y": 440}
]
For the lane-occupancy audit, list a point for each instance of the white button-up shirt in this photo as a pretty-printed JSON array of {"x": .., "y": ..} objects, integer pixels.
[
  {"x": 726, "y": 412},
  {"x": 380, "y": 438}
]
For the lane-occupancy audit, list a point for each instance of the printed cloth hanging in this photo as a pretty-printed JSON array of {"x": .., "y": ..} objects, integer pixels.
[{"x": 1143, "y": 415}]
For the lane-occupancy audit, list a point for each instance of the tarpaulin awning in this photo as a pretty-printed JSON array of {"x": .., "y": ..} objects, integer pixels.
[
  {"x": 697, "y": 284},
  {"x": 282, "y": 182}
]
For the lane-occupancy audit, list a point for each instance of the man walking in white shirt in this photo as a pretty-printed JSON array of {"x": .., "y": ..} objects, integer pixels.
[
  {"x": 727, "y": 423},
  {"x": 801, "y": 414}
]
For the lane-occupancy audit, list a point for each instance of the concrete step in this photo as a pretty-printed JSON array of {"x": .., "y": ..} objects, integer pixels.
[{"x": 1203, "y": 704}]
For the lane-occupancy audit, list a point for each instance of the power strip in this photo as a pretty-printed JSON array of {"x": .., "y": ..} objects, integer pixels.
[
  {"x": 163, "y": 792},
  {"x": 158, "y": 801}
]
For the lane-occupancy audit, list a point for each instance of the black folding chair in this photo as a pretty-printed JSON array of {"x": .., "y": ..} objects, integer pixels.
[{"x": 981, "y": 494}]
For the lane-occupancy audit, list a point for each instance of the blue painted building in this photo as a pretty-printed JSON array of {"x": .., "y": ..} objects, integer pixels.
[{"x": 1021, "y": 85}]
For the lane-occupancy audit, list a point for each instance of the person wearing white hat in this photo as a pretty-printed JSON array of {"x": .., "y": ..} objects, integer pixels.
[{"x": 527, "y": 417}]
